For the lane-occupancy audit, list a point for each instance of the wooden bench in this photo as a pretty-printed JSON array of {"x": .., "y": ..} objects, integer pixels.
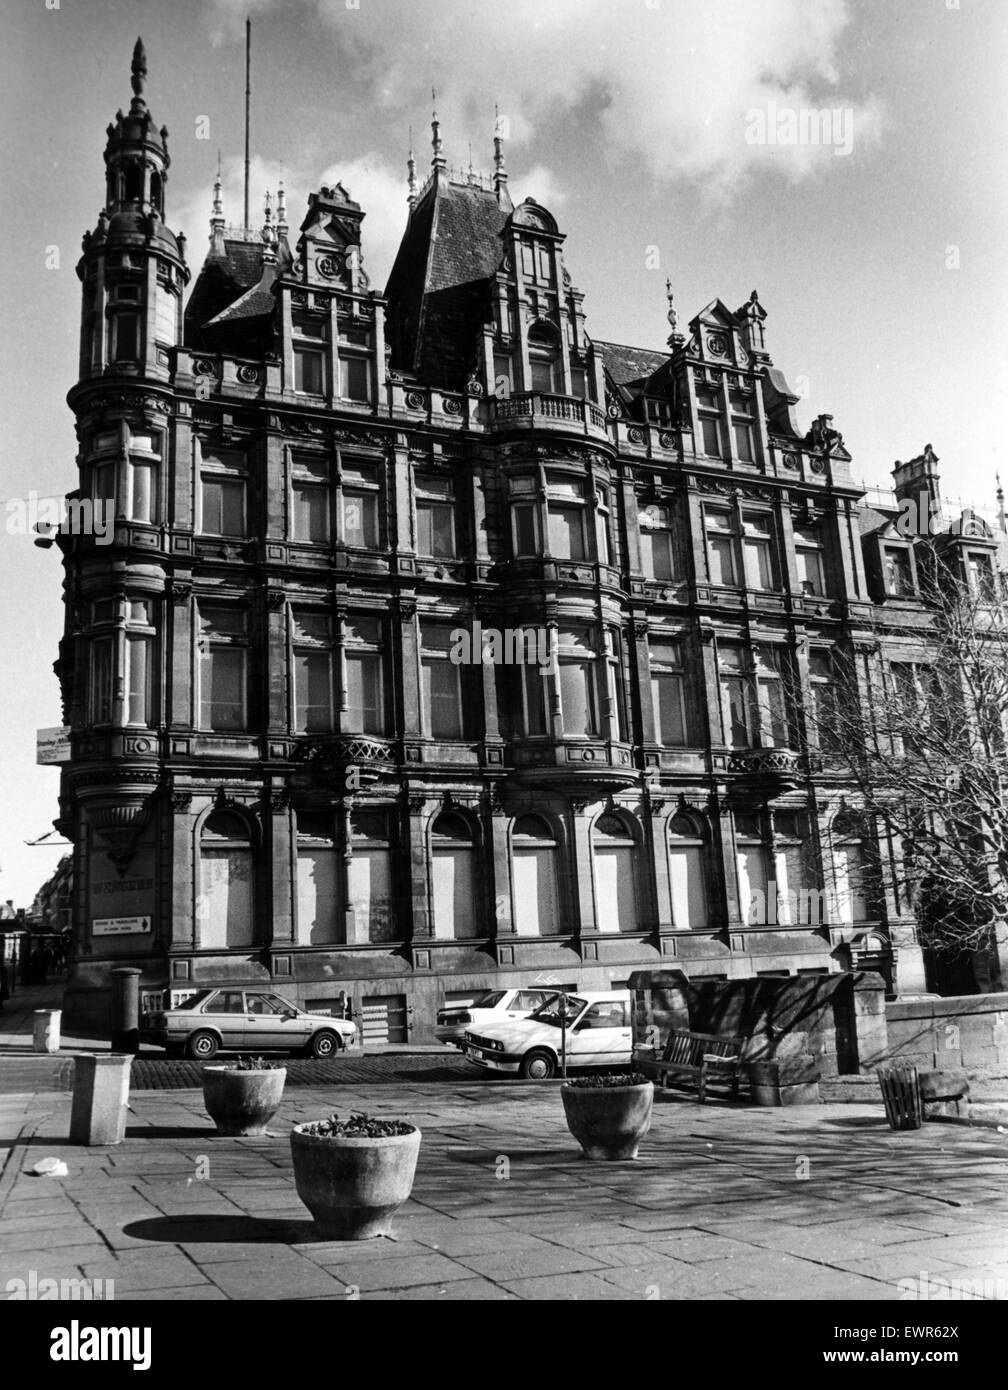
[{"x": 699, "y": 1057}]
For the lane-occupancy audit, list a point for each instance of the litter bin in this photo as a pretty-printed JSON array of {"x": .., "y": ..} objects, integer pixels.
[
  {"x": 46, "y": 1032},
  {"x": 901, "y": 1096},
  {"x": 100, "y": 1096}
]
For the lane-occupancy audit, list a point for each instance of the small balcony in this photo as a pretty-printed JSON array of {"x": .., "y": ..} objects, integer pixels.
[
  {"x": 782, "y": 766},
  {"x": 534, "y": 410}
]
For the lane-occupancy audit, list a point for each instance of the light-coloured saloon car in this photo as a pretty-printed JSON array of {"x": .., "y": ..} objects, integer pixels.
[
  {"x": 244, "y": 1020},
  {"x": 597, "y": 1035},
  {"x": 493, "y": 1007}
]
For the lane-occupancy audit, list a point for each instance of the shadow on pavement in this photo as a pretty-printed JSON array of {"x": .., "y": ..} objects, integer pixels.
[{"x": 220, "y": 1230}]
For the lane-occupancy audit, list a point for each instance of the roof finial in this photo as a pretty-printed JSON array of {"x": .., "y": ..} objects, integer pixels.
[
  {"x": 438, "y": 162},
  {"x": 500, "y": 173},
  {"x": 1001, "y": 503},
  {"x": 268, "y": 231},
  {"x": 217, "y": 223},
  {"x": 282, "y": 227},
  {"x": 139, "y": 68},
  {"x": 411, "y": 181}
]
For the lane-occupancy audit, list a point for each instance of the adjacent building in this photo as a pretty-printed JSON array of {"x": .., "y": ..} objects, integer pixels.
[{"x": 438, "y": 642}]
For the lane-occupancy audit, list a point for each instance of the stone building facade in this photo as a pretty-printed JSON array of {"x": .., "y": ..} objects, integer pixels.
[{"x": 281, "y": 770}]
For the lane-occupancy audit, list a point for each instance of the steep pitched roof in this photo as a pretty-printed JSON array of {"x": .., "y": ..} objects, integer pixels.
[
  {"x": 629, "y": 364},
  {"x": 439, "y": 286}
]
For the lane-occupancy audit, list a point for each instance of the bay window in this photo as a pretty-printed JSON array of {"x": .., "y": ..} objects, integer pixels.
[
  {"x": 580, "y": 701},
  {"x": 566, "y": 506}
]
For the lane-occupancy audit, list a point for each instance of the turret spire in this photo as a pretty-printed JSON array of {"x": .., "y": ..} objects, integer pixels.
[
  {"x": 282, "y": 226},
  {"x": 500, "y": 173},
  {"x": 437, "y": 144},
  {"x": 411, "y": 179},
  {"x": 1001, "y": 503},
  {"x": 217, "y": 223}
]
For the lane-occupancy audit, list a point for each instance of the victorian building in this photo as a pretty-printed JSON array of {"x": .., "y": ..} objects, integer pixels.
[{"x": 283, "y": 773}]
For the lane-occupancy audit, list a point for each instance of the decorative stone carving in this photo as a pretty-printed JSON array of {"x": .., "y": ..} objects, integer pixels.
[
  {"x": 181, "y": 590},
  {"x": 181, "y": 801},
  {"x": 415, "y": 400},
  {"x": 248, "y": 374}
]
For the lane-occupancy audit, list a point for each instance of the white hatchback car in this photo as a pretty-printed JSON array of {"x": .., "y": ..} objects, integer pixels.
[
  {"x": 493, "y": 1007},
  {"x": 597, "y": 1035}
]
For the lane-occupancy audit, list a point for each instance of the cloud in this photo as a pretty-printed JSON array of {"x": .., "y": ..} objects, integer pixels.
[{"x": 670, "y": 84}]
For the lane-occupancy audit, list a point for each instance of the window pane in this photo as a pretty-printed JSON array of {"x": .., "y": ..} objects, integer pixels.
[
  {"x": 313, "y": 690},
  {"x": 443, "y": 696},
  {"x": 810, "y": 572},
  {"x": 722, "y": 560},
  {"x": 752, "y": 872},
  {"x": 759, "y": 571},
  {"x": 127, "y": 337},
  {"x": 308, "y": 372},
  {"x": 370, "y": 892},
  {"x": 577, "y": 698},
  {"x": 223, "y": 689},
  {"x": 355, "y": 379},
  {"x": 311, "y": 513},
  {"x": 689, "y": 897},
  {"x": 223, "y": 506},
  {"x": 711, "y": 436},
  {"x": 667, "y": 696},
  {"x": 535, "y": 892},
  {"x": 566, "y": 532},
  {"x": 143, "y": 487},
  {"x": 364, "y": 713},
  {"x": 454, "y": 903},
  {"x": 524, "y": 526},
  {"x": 435, "y": 529},
  {"x": 535, "y": 700},
  {"x": 737, "y": 712},
  {"x": 743, "y": 442},
  {"x": 542, "y": 374},
  {"x": 101, "y": 680},
  {"x": 615, "y": 888},
  {"x": 139, "y": 651},
  {"x": 360, "y": 519},
  {"x": 318, "y": 919},
  {"x": 656, "y": 554}
]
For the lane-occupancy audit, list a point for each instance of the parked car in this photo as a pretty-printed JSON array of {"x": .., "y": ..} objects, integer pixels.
[
  {"x": 598, "y": 1035},
  {"x": 244, "y": 1020},
  {"x": 498, "y": 1004}
]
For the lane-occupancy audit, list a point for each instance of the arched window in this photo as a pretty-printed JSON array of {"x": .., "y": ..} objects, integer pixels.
[
  {"x": 850, "y": 869},
  {"x": 536, "y": 897},
  {"x": 453, "y": 875},
  {"x": 686, "y": 873},
  {"x": 224, "y": 915},
  {"x": 544, "y": 359},
  {"x": 134, "y": 183},
  {"x": 615, "y": 875},
  {"x": 155, "y": 193}
]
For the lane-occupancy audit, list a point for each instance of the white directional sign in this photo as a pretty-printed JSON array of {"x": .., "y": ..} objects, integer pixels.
[
  {"x": 52, "y": 746},
  {"x": 120, "y": 926}
]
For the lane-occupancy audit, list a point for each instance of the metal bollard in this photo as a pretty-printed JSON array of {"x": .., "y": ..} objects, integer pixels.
[
  {"x": 46, "y": 1032},
  {"x": 126, "y": 1009}
]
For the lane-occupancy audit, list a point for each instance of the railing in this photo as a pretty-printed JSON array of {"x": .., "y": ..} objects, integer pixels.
[{"x": 528, "y": 404}]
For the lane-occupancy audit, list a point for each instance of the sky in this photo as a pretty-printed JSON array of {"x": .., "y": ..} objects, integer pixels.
[{"x": 659, "y": 132}]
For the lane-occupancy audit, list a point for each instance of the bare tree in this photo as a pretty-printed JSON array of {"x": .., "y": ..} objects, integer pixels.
[{"x": 918, "y": 730}]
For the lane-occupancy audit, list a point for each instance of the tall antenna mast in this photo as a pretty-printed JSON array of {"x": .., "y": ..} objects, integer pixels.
[{"x": 248, "y": 88}]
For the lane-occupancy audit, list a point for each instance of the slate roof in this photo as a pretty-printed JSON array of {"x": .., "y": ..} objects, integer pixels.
[
  {"x": 439, "y": 287},
  {"x": 221, "y": 282},
  {"x": 629, "y": 364}
]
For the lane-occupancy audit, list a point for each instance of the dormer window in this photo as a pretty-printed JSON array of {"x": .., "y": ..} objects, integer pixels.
[
  {"x": 982, "y": 579},
  {"x": 544, "y": 359},
  {"x": 898, "y": 571},
  {"x": 709, "y": 411}
]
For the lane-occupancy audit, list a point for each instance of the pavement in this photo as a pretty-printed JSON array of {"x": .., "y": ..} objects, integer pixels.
[{"x": 726, "y": 1201}]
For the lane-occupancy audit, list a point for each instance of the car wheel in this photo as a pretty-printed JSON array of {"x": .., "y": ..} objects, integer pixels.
[
  {"x": 203, "y": 1046},
  {"x": 326, "y": 1043},
  {"x": 537, "y": 1065}
]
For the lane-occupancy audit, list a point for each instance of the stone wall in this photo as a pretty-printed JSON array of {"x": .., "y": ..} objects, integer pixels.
[
  {"x": 965, "y": 1033},
  {"x": 836, "y": 1021}
]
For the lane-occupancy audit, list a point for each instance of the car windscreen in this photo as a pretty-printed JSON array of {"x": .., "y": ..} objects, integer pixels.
[
  {"x": 489, "y": 1001},
  {"x": 550, "y": 1011},
  {"x": 195, "y": 1001}
]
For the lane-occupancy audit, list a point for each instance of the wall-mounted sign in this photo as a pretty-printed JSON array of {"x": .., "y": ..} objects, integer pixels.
[
  {"x": 52, "y": 746},
  {"x": 120, "y": 926}
]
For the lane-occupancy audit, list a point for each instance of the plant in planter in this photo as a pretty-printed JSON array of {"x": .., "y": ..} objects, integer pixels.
[
  {"x": 242, "y": 1097},
  {"x": 353, "y": 1175},
  {"x": 608, "y": 1114}
]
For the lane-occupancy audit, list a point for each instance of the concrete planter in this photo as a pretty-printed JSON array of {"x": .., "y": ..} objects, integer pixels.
[
  {"x": 608, "y": 1121},
  {"x": 353, "y": 1187},
  {"x": 783, "y": 1083},
  {"x": 242, "y": 1102}
]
